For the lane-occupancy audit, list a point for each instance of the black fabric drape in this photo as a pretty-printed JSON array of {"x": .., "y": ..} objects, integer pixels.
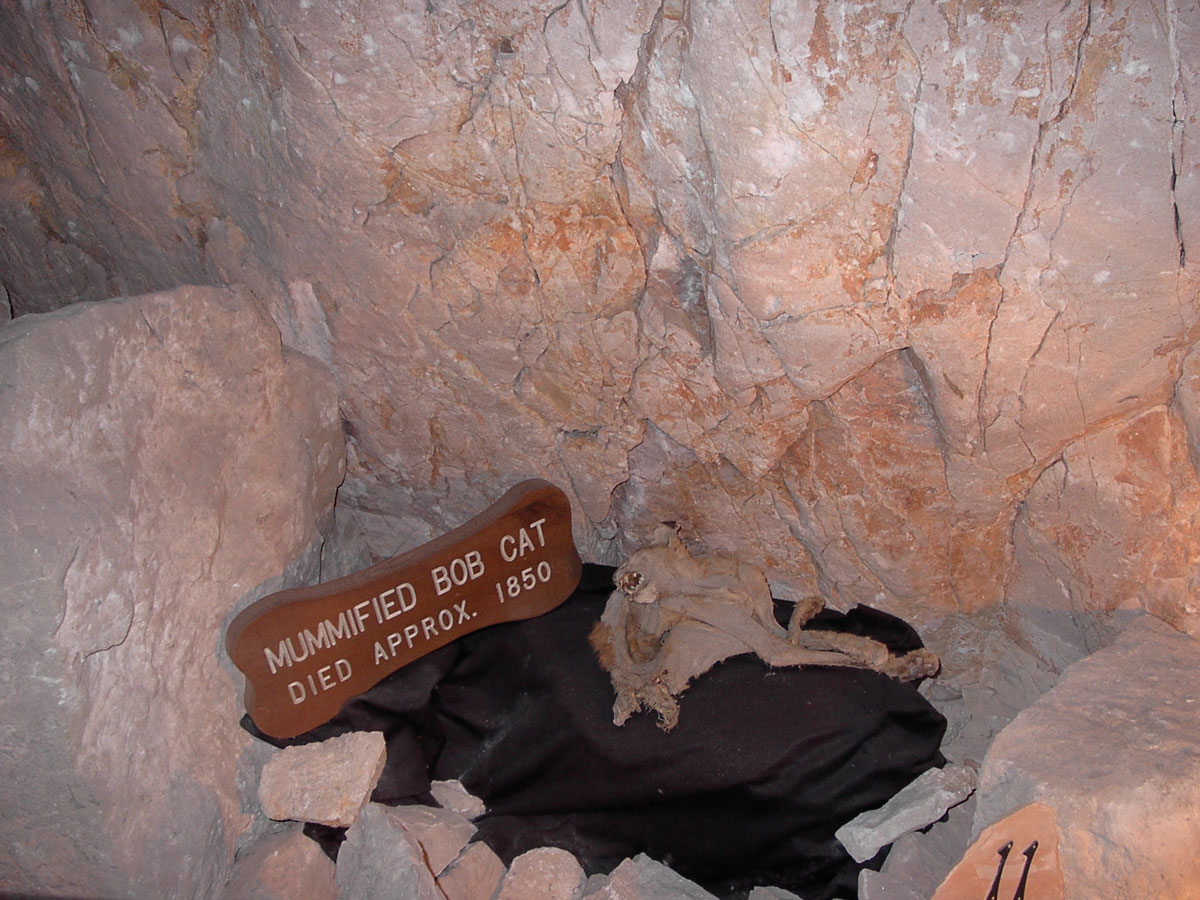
[{"x": 764, "y": 765}]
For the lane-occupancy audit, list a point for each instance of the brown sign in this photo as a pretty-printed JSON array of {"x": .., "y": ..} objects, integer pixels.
[{"x": 306, "y": 651}]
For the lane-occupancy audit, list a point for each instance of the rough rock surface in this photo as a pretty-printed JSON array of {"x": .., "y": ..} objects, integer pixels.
[
  {"x": 452, "y": 795},
  {"x": 643, "y": 878},
  {"x": 920, "y": 861},
  {"x": 918, "y": 804},
  {"x": 893, "y": 298},
  {"x": 1111, "y": 750},
  {"x": 379, "y": 858},
  {"x": 327, "y": 782},
  {"x": 164, "y": 460},
  {"x": 286, "y": 865},
  {"x": 475, "y": 875},
  {"x": 442, "y": 834},
  {"x": 546, "y": 873},
  {"x": 1033, "y": 857}
]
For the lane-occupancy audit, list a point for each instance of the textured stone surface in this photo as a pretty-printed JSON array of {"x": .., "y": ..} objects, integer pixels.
[
  {"x": 440, "y": 833},
  {"x": 475, "y": 875},
  {"x": 643, "y": 878},
  {"x": 547, "y": 873},
  {"x": 916, "y": 805},
  {"x": 327, "y": 782},
  {"x": 452, "y": 795},
  {"x": 379, "y": 858},
  {"x": 283, "y": 866},
  {"x": 163, "y": 458},
  {"x": 860, "y": 292},
  {"x": 1111, "y": 750},
  {"x": 1032, "y": 830},
  {"x": 919, "y": 861}
]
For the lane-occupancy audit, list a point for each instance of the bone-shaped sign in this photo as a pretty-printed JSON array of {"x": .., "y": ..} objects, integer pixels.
[{"x": 306, "y": 651}]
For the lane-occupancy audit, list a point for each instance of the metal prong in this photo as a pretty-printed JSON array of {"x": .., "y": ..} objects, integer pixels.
[
  {"x": 994, "y": 893},
  {"x": 1028, "y": 854}
]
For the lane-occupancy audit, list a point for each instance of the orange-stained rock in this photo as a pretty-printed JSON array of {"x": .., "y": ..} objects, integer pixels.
[
  {"x": 974, "y": 875},
  {"x": 475, "y": 875}
]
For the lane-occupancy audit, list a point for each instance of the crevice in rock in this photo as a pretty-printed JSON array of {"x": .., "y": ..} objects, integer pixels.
[{"x": 1178, "y": 99}]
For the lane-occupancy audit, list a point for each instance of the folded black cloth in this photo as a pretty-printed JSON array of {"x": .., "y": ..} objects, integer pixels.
[{"x": 764, "y": 765}]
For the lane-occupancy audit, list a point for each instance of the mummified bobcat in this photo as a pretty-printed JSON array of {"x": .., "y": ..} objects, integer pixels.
[{"x": 674, "y": 616}]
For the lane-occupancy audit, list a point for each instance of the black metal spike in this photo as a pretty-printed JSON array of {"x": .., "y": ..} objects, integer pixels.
[
  {"x": 1028, "y": 854},
  {"x": 994, "y": 893}
]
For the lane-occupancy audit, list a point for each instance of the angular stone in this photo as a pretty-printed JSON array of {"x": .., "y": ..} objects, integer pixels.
[
  {"x": 453, "y": 796},
  {"x": 475, "y": 875},
  {"x": 546, "y": 873},
  {"x": 1111, "y": 750},
  {"x": 976, "y": 873},
  {"x": 920, "y": 861},
  {"x": 642, "y": 878},
  {"x": 440, "y": 833},
  {"x": 164, "y": 461},
  {"x": 916, "y": 805},
  {"x": 380, "y": 858},
  {"x": 327, "y": 782},
  {"x": 286, "y": 865}
]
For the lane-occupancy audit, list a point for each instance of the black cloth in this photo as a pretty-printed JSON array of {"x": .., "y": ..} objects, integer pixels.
[{"x": 764, "y": 765}]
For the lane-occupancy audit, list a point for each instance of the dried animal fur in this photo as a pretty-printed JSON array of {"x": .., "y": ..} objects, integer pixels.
[{"x": 674, "y": 616}]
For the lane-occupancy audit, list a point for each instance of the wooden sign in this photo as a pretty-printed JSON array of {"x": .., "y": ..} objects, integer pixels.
[{"x": 306, "y": 651}]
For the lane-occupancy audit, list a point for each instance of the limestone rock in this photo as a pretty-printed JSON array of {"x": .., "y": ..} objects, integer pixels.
[
  {"x": 286, "y": 865},
  {"x": 453, "y": 796},
  {"x": 918, "y": 804},
  {"x": 919, "y": 861},
  {"x": 379, "y": 858},
  {"x": 165, "y": 460},
  {"x": 1110, "y": 750},
  {"x": 1034, "y": 840},
  {"x": 642, "y": 878},
  {"x": 475, "y": 875},
  {"x": 326, "y": 782},
  {"x": 837, "y": 294},
  {"x": 546, "y": 873},
  {"x": 440, "y": 833}
]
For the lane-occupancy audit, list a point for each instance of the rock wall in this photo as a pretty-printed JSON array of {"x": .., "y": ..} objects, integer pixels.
[
  {"x": 166, "y": 460},
  {"x": 892, "y": 298}
]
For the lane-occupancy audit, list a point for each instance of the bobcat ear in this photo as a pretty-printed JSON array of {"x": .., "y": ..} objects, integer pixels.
[{"x": 667, "y": 535}]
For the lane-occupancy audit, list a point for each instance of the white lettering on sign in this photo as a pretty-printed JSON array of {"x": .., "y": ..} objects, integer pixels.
[
  {"x": 459, "y": 572},
  {"x": 427, "y": 628},
  {"x": 349, "y": 623},
  {"x": 514, "y": 546},
  {"x": 530, "y": 577},
  {"x": 323, "y": 679},
  {"x": 400, "y": 599}
]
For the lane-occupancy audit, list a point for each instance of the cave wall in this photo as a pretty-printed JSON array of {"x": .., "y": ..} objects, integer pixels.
[{"x": 892, "y": 298}]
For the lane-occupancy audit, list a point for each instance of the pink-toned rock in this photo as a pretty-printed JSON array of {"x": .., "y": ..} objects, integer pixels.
[
  {"x": 547, "y": 873},
  {"x": 164, "y": 461},
  {"x": 1033, "y": 835},
  {"x": 453, "y": 796},
  {"x": 643, "y": 878},
  {"x": 840, "y": 295},
  {"x": 475, "y": 875},
  {"x": 440, "y": 833},
  {"x": 282, "y": 866},
  {"x": 1092, "y": 534},
  {"x": 1111, "y": 751},
  {"x": 379, "y": 858},
  {"x": 326, "y": 782}
]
